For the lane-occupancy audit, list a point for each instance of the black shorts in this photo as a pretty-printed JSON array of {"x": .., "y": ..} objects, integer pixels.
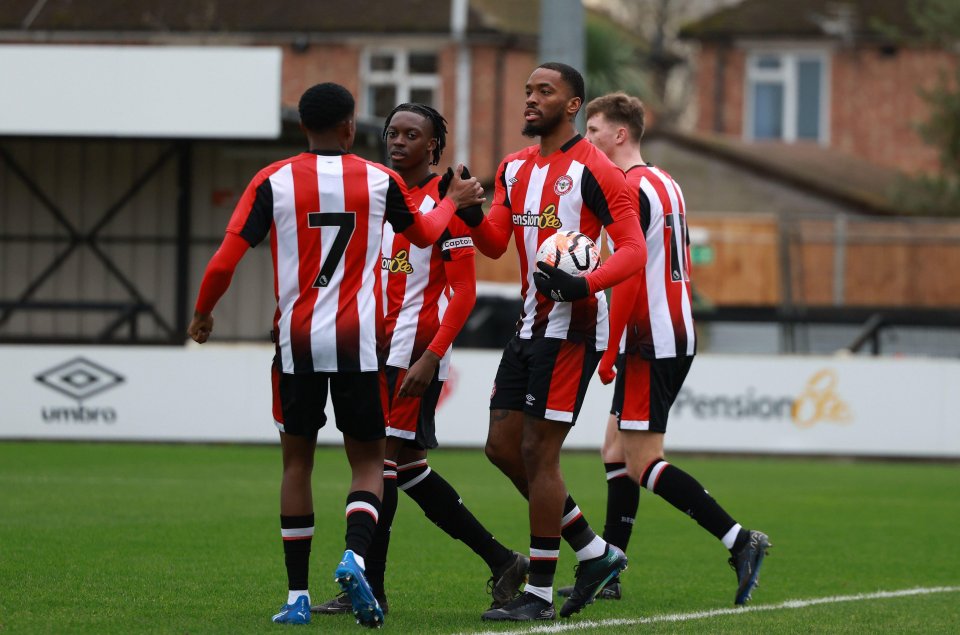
[
  {"x": 645, "y": 390},
  {"x": 546, "y": 378},
  {"x": 412, "y": 418},
  {"x": 299, "y": 401}
]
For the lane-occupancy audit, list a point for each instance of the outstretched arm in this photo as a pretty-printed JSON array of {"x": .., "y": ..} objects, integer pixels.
[
  {"x": 216, "y": 280},
  {"x": 424, "y": 229}
]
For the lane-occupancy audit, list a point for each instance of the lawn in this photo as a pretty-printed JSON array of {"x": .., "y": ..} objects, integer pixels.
[{"x": 119, "y": 538}]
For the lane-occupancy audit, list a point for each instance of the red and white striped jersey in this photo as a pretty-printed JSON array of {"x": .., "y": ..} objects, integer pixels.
[
  {"x": 324, "y": 213},
  {"x": 661, "y": 323},
  {"x": 416, "y": 292},
  {"x": 575, "y": 188}
]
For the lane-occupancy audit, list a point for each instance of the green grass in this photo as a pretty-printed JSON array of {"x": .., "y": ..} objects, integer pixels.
[{"x": 103, "y": 538}]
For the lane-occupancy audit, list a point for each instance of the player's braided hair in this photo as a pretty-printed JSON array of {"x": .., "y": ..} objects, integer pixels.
[
  {"x": 430, "y": 114},
  {"x": 323, "y": 106}
]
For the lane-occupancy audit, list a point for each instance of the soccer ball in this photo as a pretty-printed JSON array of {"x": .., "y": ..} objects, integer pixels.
[{"x": 570, "y": 251}]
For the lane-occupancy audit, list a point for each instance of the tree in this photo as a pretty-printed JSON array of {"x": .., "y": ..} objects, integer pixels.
[{"x": 938, "y": 24}]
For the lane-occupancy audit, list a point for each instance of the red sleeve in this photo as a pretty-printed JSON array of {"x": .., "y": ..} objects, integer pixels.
[
  {"x": 219, "y": 271},
  {"x": 629, "y": 258},
  {"x": 427, "y": 228},
  {"x": 623, "y": 300},
  {"x": 493, "y": 235},
  {"x": 462, "y": 276}
]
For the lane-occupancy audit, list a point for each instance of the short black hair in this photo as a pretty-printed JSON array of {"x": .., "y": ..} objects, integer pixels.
[
  {"x": 323, "y": 106},
  {"x": 430, "y": 114},
  {"x": 570, "y": 75}
]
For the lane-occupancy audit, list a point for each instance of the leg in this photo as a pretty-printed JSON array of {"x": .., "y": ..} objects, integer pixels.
[
  {"x": 361, "y": 420},
  {"x": 296, "y": 524},
  {"x": 623, "y": 494},
  {"x": 503, "y": 446},
  {"x": 642, "y": 441}
]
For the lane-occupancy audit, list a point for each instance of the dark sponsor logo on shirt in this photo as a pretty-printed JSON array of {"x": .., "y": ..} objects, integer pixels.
[
  {"x": 398, "y": 264},
  {"x": 546, "y": 219}
]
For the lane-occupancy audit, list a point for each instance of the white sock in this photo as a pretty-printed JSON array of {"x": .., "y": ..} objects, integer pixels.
[
  {"x": 595, "y": 549},
  {"x": 731, "y": 536},
  {"x": 293, "y": 595},
  {"x": 542, "y": 592}
]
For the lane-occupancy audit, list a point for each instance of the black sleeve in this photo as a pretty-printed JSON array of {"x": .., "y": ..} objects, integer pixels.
[
  {"x": 594, "y": 197},
  {"x": 260, "y": 219},
  {"x": 644, "y": 212},
  {"x": 398, "y": 213}
]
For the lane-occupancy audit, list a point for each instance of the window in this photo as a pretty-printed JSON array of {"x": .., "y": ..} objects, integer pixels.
[
  {"x": 395, "y": 76},
  {"x": 786, "y": 96}
]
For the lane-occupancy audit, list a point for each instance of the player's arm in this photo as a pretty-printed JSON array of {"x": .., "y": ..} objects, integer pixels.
[
  {"x": 424, "y": 229},
  {"x": 491, "y": 234},
  {"x": 461, "y": 274},
  {"x": 251, "y": 220},
  {"x": 216, "y": 280}
]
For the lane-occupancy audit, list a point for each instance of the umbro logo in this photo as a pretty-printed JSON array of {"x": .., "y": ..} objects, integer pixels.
[
  {"x": 79, "y": 378},
  {"x": 530, "y": 399},
  {"x": 512, "y": 180}
]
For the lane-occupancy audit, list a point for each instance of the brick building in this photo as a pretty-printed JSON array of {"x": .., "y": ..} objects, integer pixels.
[{"x": 820, "y": 71}]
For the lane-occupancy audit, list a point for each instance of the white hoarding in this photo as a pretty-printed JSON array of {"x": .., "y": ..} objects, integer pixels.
[
  {"x": 751, "y": 404},
  {"x": 140, "y": 91}
]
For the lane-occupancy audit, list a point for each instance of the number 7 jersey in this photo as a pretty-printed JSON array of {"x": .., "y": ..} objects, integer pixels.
[{"x": 324, "y": 213}]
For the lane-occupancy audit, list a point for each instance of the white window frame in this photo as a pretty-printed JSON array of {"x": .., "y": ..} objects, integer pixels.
[
  {"x": 787, "y": 76},
  {"x": 400, "y": 76}
]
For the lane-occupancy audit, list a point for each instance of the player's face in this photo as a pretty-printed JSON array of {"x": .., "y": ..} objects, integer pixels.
[
  {"x": 410, "y": 142},
  {"x": 549, "y": 103},
  {"x": 603, "y": 133}
]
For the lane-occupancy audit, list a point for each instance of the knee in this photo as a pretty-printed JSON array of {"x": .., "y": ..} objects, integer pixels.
[
  {"x": 638, "y": 467},
  {"x": 496, "y": 452}
]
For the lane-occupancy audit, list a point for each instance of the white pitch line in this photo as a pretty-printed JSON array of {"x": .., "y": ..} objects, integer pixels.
[{"x": 697, "y": 615}]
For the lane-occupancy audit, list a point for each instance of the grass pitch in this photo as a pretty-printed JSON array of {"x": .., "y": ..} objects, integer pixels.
[{"x": 111, "y": 538}]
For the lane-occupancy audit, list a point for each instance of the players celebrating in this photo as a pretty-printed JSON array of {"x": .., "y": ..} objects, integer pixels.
[
  {"x": 324, "y": 211},
  {"x": 430, "y": 292}
]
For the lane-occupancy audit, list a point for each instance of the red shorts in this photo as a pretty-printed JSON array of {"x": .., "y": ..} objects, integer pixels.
[
  {"x": 645, "y": 390},
  {"x": 411, "y": 418},
  {"x": 544, "y": 377}
]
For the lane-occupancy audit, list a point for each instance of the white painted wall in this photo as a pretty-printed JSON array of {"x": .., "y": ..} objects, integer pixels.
[
  {"x": 140, "y": 91},
  {"x": 751, "y": 404}
]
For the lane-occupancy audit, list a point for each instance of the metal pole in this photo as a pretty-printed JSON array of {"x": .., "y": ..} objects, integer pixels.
[
  {"x": 562, "y": 37},
  {"x": 458, "y": 31}
]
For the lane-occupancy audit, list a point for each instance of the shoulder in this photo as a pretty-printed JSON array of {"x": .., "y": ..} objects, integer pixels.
[{"x": 521, "y": 155}]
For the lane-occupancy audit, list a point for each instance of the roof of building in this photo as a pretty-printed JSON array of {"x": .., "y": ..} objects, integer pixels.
[
  {"x": 492, "y": 17},
  {"x": 860, "y": 184},
  {"x": 870, "y": 20}
]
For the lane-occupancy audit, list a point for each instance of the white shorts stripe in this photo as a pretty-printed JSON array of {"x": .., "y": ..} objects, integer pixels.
[
  {"x": 655, "y": 474},
  {"x": 629, "y": 424},
  {"x": 402, "y": 434},
  {"x": 360, "y": 506},
  {"x": 415, "y": 481},
  {"x": 558, "y": 415}
]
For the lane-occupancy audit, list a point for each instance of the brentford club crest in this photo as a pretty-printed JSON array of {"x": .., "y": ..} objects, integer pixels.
[{"x": 563, "y": 185}]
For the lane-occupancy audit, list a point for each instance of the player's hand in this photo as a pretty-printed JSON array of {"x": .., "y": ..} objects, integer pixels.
[
  {"x": 420, "y": 375},
  {"x": 558, "y": 285},
  {"x": 605, "y": 369},
  {"x": 472, "y": 215},
  {"x": 200, "y": 327},
  {"x": 464, "y": 191}
]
